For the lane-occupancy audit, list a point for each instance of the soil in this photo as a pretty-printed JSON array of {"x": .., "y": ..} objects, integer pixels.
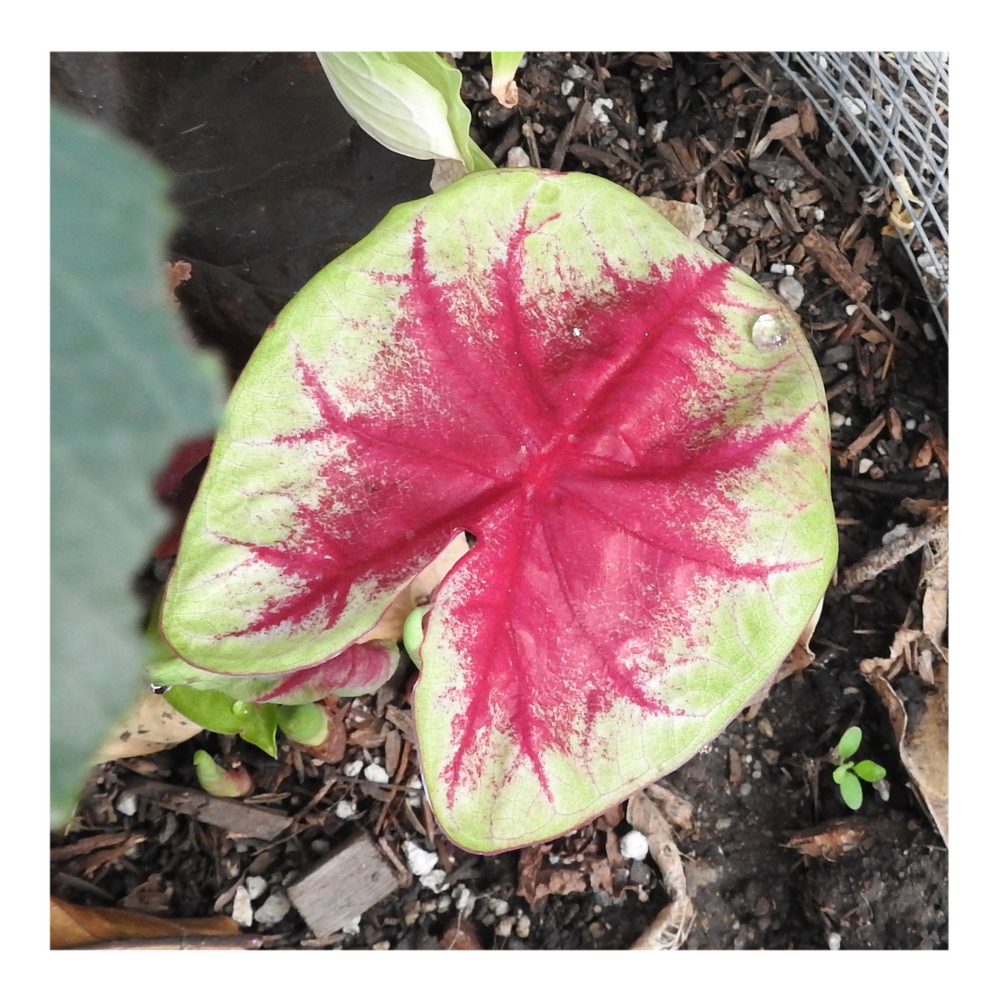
[{"x": 765, "y": 780}]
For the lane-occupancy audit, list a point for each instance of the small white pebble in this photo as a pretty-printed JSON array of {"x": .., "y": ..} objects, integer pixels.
[
  {"x": 464, "y": 900},
  {"x": 498, "y": 906},
  {"x": 929, "y": 332},
  {"x": 836, "y": 419},
  {"x": 523, "y": 927},
  {"x": 443, "y": 903},
  {"x": 573, "y": 102},
  {"x": 353, "y": 769},
  {"x": 380, "y": 946},
  {"x": 600, "y": 103},
  {"x": 576, "y": 72},
  {"x": 419, "y": 861},
  {"x": 745, "y": 789},
  {"x": 882, "y": 787},
  {"x": 864, "y": 465},
  {"x": 818, "y": 214},
  {"x": 377, "y": 773},
  {"x": 884, "y": 315},
  {"x": 900, "y": 531},
  {"x": 256, "y": 886},
  {"x": 344, "y": 809},
  {"x": 127, "y": 803},
  {"x": 505, "y": 927},
  {"x": 833, "y": 941},
  {"x": 843, "y": 366},
  {"x": 566, "y": 88},
  {"x": 242, "y": 910},
  {"x": 353, "y": 927},
  {"x": 777, "y": 268},
  {"x": 847, "y": 422},
  {"x": 436, "y": 880},
  {"x": 554, "y": 859},
  {"x": 273, "y": 910},
  {"x": 789, "y": 269},
  {"x": 659, "y": 128},
  {"x": 910, "y": 425},
  {"x": 634, "y": 845},
  {"x": 517, "y": 157},
  {"x": 850, "y": 309}
]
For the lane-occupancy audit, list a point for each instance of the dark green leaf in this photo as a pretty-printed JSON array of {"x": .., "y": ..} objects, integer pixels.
[{"x": 124, "y": 387}]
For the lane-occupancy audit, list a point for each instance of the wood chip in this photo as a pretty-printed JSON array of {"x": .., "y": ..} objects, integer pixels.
[
  {"x": 807, "y": 119},
  {"x": 403, "y": 721},
  {"x": 236, "y": 817},
  {"x": 782, "y": 129},
  {"x": 343, "y": 886},
  {"x": 836, "y": 265},
  {"x": 862, "y": 441},
  {"x": 931, "y": 429}
]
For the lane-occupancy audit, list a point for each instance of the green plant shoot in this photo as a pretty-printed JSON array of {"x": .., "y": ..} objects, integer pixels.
[{"x": 847, "y": 772}]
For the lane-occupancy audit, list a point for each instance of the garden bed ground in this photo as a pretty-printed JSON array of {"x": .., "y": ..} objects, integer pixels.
[{"x": 272, "y": 183}]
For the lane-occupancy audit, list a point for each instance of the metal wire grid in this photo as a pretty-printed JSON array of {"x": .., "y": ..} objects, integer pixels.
[{"x": 896, "y": 104}]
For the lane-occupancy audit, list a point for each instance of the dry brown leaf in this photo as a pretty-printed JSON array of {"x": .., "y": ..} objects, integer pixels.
[
  {"x": 536, "y": 882},
  {"x": 833, "y": 839},
  {"x": 673, "y": 924},
  {"x": 151, "y": 725},
  {"x": 72, "y": 926},
  {"x": 675, "y": 807},
  {"x": 923, "y": 744}
]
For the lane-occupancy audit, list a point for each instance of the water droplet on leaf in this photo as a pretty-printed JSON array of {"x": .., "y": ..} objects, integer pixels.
[{"x": 769, "y": 333}]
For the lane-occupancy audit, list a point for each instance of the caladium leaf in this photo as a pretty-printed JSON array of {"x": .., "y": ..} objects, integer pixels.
[
  {"x": 545, "y": 362},
  {"x": 361, "y": 668}
]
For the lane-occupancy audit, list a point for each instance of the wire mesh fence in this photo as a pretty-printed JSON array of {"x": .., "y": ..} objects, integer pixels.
[{"x": 889, "y": 110}]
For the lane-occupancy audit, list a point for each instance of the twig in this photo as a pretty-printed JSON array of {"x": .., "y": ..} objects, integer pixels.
[{"x": 889, "y": 555}]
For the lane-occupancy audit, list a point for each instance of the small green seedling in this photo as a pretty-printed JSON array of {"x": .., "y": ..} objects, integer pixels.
[{"x": 847, "y": 773}]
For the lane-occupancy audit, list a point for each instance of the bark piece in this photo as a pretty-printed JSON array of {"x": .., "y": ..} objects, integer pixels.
[
  {"x": 836, "y": 265},
  {"x": 236, "y": 817},
  {"x": 343, "y": 886}
]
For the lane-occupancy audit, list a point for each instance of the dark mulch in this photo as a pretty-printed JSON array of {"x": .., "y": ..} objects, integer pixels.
[{"x": 761, "y": 781}]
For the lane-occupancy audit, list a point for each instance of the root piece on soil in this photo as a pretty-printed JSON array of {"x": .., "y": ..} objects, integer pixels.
[{"x": 673, "y": 923}]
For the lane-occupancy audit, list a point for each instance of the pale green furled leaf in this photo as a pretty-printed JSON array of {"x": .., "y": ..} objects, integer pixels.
[
  {"x": 124, "y": 388},
  {"x": 217, "y": 780},
  {"x": 503, "y": 86},
  {"x": 408, "y": 101}
]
